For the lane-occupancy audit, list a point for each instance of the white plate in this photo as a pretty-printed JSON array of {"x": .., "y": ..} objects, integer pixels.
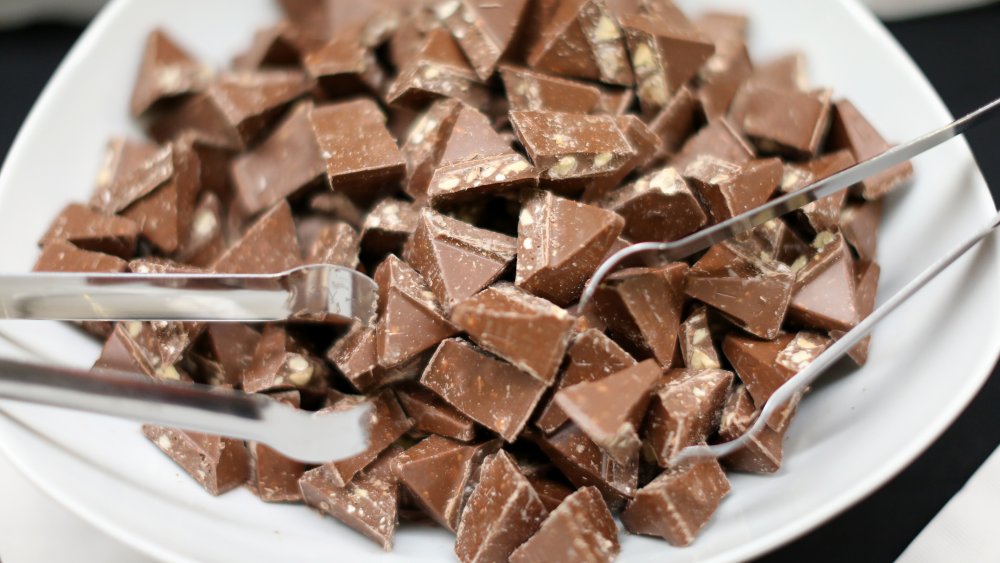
[{"x": 851, "y": 435}]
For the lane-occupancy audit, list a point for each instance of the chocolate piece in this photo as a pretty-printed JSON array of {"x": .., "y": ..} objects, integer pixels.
[
  {"x": 437, "y": 70},
  {"x": 232, "y": 345},
  {"x": 270, "y": 245},
  {"x": 457, "y": 259},
  {"x": 164, "y": 214},
  {"x": 676, "y": 505},
  {"x": 764, "y": 451},
  {"x": 581, "y": 528},
  {"x": 235, "y": 108},
  {"x": 502, "y": 512},
  {"x": 368, "y": 504},
  {"x": 763, "y": 366},
  {"x": 527, "y": 331},
  {"x": 355, "y": 355},
  {"x": 592, "y": 357},
  {"x": 345, "y": 67},
  {"x": 550, "y": 492},
  {"x": 484, "y": 30},
  {"x": 425, "y": 143},
  {"x": 130, "y": 169},
  {"x": 610, "y": 409},
  {"x": 274, "y": 477},
  {"x": 493, "y": 393},
  {"x": 277, "y": 45},
  {"x": 534, "y": 91},
  {"x": 676, "y": 121},
  {"x": 642, "y": 308},
  {"x": 615, "y": 101},
  {"x": 123, "y": 351},
  {"x": 388, "y": 226},
  {"x": 859, "y": 225},
  {"x": 824, "y": 294},
  {"x": 282, "y": 165},
  {"x": 866, "y": 287},
  {"x": 696, "y": 343},
  {"x": 560, "y": 245},
  {"x": 336, "y": 243},
  {"x": 750, "y": 287},
  {"x": 167, "y": 71},
  {"x": 361, "y": 156},
  {"x": 386, "y": 423},
  {"x": 658, "y": 207},
  {"x": 728, "y": 68},
  {"x": 206, "y": 240},
  {"x": 335, "y": 205},
  {"x": 440, "y": 472},
  {"x": 850, "y": 130},
  {"x": 61, "y": 256},
  {"x": 684, "y": 410},
  {"x": 719, "y": 139},
  {"x": 218, "y": 464},
  {"x": 778, "y": 240},
  {"x": 646, "y": 145},
  {"x": 824, "y": 214},
  {"x": 787, "y": 72},
  {"x": 410, "y": 319},
  {"x": 582, "y": 39},
  {"x": 476, "y": 161},
  {"x": 568, "y": 145},
  {"x": 90, "y": 230},
  {"x": 431, "y": 415},
  {"x": 666, "y": 53},
  {"x": 787, "y": 122},
  {"x": 585, "y": 464},
  {"x": 280, "y": 363},
  {"x": 728, "y": 190}
]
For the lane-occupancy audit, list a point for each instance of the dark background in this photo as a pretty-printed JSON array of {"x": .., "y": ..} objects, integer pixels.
[{"x": 959, "y": 53}]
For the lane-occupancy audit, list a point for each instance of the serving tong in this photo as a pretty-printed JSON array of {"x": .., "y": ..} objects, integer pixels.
[{"x": 335, "y": 294}]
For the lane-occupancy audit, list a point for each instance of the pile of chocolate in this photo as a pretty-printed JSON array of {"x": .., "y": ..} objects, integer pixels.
[{"x": 480, "y": 159}]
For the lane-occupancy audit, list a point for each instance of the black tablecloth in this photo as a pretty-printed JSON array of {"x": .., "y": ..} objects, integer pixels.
[{"x": 958, "y": 52}]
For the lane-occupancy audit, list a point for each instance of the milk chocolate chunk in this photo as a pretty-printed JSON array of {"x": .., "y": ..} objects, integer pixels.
[
  {"x": 729, "y": 190},
  {"x": 592, "y": 357},
  {"x": 824, "y": 294},
  {"x": 719, "y": 139},
  {"x": 484, "y": 30},
  {"x": 345, "y": 67},
  {"x": 164, "y": 213},
  {"x": 676, "y": 121},
  {"x": 232, "y": 345},
  {"x": 457, "y": 259},
  {"x": 763, "y": 453},
  {"x": 476, "y": 161},
  {"x": 274, "y": 477},
  {"x": 824, "y": 214},
  {"x": 278, "y": 45},
  {"x": 218, "y": 464},
  {"x": 281, "y": 363},
  {"x": 581, "y": 528},
  {"x": 764, "y": 365},
  {"x": 282, "y": 165},
  {"x": 684, "y": 410},
  {"x": 666, "y": 53},
  {"x": 642, "y": 308},
  {"x": 431, "y": 415},
  {"x": 534, "y": 91},
  {"x": 786, "y": 122},
  {"x": 130, "y": 169},
  {"x": 206, "y": 239},
  {"x": 336, "y": 243},
  {"x": 62, "y": 256},
  {"x": 585, "y": 464},
  {"x": 167, "y": 71},
  {"x": 356, "y": 356},
  {"x": 91, "y": 230},
  {"x": 610, "y": 410},
  {"x": 386, "y": 422},
  {"x": 439, "y": 473},
  {"x": 750, "y": 287},
  {"x": 502, "y": 512},
  {"x": 787, "y": 72},
  {"x": 527, "y": 331},
  {"x": 583, "y": 39},
  {"x": 437, "y": 70},
  {"x": 676, "y": 505},
  {"x": 859, "y": 224},
  {"x": 646, "y": 145},
  {"x": 779, "y": 241},
  {"x": 361, "y": 156},
  {"x": 725, "y": 71},
  {"x": 866, "y": 287},
  {"x": 425, "y": 143},
  {"x": 388, "y": 226},
  {"x": 410, "y": 319},
  {"x": 550, "y": 491},
  {"x": 695, "y": 338},
  {"x": 123, "y": 352},
  {"x": 336, "y": 206},
  {"x": 368, "y": 504},
  {"x": 270, "y": 245},
  {"x": 561, "y": 243},
  {"x": 852, "y": 131},
  {"x": 492, "y": 392},
  {"x": 568, "y": 145},
  {"x": 235, "y": 108}
]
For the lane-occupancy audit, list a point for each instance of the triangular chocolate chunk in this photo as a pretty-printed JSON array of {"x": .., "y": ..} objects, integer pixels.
[
  {"x": 164, "y": 214},
  {"x": 431, "y": 415},
  {"x": 764, "y": 451},
  {"x": 851, "y": 130},
  {"x": 728, "y": 190},
  {"x": 581, "y": 528},
  {"x": 534, "y": 91},
  {"x": 657, "y": 207},
  {"x": 167, "y": 71},
  {"x": 866, "y": 287},
  {"x": 685, "y": 410},
  {"x": 425, "y": 143},
  {"x": 825, "y": 291},
  {"x": 719, "y": 139},
  {"x": 437, "y": 70},
  {"x": 274, "y": 477},
  {"x": 457, "y": 259},
  {"x": 781, "y": 121},
  {"x": 438, "y": 472},
  {"x": 764, "y": 365},
  {"x": 386, "y": 422},
  {"x": 859, "y": 225},
  {"x": 560, "y": 245},
  {"x": 131, "y": 169},
  {"x": 410, "y": 319},
  {"x": 697, "y": 347},
  {"x": 583, "y": 39},
  {"x": 95, "y": 231},
  {"x": 280, "y": 363},
  {"x": 610, "y": 409},
  {"x": 584, "y": 463},
  {"x": 484, "y": 30},
  {"x": 269, "y": 246},
  {"x": 824, "y": 214},
  {"x": 218, "y": 464}
]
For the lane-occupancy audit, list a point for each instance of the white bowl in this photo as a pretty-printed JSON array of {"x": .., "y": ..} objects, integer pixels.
[{"x": 851, "y": 435}]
